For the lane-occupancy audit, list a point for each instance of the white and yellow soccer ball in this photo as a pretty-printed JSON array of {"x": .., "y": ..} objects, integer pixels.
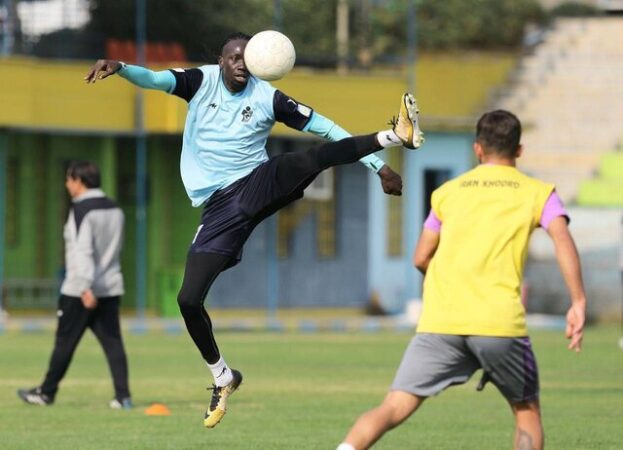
[{"x": 269, "y": 55}]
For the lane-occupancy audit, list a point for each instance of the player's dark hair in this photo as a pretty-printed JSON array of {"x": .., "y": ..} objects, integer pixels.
[
  {"x": 499, "y": 132},
  {"x": 85, "y": 171},
  {"x": 234, "y": 37}
]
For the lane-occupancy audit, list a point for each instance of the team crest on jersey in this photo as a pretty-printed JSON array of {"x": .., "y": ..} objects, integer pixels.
[{"x": 246, "y": 114}]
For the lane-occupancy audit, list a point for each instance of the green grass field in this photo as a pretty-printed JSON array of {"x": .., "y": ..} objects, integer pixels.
[{"x": 301, "y": 391}]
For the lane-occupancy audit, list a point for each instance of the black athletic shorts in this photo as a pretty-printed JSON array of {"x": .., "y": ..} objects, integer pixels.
[{"x": 231, "y": 213}]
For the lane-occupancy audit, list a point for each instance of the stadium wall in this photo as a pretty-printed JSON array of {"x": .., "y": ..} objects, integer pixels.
[
  {"x": 37, "y": 206},
  {"x": 393, "y": 279},
  {"x": 53, "y": 116},
  {"x": 304, "y": 278},
  {"x": 598, "y": 233},
  {"x": 37, "y": 209},
  {"x": 44, "y": 94}
]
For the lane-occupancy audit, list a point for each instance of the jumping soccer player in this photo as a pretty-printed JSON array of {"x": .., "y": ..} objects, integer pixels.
[
  {"x": 472, "y": 250},
  {"x": 225, "y": 169}
]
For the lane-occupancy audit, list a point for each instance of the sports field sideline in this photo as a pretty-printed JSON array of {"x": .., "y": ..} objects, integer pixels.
[{"x": 301, "y": 391}]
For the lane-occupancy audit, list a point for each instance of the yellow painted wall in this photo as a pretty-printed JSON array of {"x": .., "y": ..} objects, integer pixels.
[
  {"x": 53, "y": 95},
  {"x": 49, "y": 94}
]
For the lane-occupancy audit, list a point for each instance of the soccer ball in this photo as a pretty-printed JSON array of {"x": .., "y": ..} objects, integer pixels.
[{"x": 269, "y": 55}]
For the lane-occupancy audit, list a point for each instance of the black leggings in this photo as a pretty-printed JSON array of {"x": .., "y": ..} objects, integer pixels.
[
  {"x": 295, "y": 171},
  {"x": 201, "y": 271},
  {"x": 300, "y": 168}
]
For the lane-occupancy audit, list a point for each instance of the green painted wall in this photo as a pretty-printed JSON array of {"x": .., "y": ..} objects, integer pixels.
[
  {"x": 171, "y": 222},
  {"x": 20, "y": 250},
  {"x": 38, "y": 208}
]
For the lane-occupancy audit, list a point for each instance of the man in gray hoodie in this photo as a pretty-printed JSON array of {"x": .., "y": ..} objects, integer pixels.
[{"x": 92, "y": 288}]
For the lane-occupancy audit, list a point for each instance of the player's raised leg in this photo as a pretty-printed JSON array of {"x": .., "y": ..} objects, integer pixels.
[{"x": 298, "y": 169}]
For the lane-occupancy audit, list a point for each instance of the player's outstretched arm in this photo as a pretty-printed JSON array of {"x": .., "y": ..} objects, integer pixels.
[
  {"x": 569, "y": 263},
  {"x": 103, "y": 68},
  {"x": 162, "y": 80}
]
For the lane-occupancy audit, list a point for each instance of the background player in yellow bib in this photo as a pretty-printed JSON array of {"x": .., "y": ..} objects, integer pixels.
[{"x": 472, "y": 250}]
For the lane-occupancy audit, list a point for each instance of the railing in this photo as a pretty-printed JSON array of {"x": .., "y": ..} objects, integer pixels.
[{"x": 30, "y": 293}]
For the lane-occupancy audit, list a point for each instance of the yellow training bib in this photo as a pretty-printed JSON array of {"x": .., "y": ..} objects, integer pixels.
[{"x": 472, "y": 285}]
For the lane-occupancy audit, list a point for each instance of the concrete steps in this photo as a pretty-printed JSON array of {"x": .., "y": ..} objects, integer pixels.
[{"x": 569, "y": 96}]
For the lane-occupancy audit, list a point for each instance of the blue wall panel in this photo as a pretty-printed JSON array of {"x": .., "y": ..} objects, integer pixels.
[
  {"x": 304, "y": 279},
  {"x": 395, "y": 280}
]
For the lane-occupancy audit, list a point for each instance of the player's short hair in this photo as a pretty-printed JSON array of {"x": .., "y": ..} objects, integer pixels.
[
  {"x": 234, "y": 37},
  {"x": 85, "y": 171},
  {"x": 499, "y": 132}
]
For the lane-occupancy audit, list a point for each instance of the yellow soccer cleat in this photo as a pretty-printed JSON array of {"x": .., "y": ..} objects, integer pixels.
[
  {"x": 218, "y": 404},
  {"x": 407, "y": 126}
]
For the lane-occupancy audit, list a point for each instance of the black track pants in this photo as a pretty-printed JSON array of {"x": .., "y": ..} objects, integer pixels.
[{"x": 73, "y": 320}]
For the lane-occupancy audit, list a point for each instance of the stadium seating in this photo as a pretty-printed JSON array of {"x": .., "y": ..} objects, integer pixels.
[{"x": 569, "y": 96}]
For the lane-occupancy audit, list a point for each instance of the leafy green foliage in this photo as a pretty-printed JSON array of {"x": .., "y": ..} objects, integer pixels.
[
  {"x": 199, "y": 26},
  {"x": 378, "y": 28},
  {"x": 574, "y": 9},
  {"x": 459, "y": 24}
]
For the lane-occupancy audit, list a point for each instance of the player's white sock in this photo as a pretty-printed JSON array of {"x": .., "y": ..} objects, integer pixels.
[
  {"x": 388, "y": 139},
  {"x": 221, "y": 373},
  {"x": 345, "y": 446}
]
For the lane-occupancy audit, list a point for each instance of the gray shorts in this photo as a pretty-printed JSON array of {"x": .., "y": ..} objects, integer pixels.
[{"x": 433, "y": 362}]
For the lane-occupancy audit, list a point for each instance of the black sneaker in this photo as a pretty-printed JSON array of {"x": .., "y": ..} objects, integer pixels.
[
  {"x": 34, "y": 396},
  {"x": 218, "y": 404}
]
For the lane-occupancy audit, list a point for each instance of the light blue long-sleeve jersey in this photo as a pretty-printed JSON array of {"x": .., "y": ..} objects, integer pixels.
[{"x": 225, "y": 133}]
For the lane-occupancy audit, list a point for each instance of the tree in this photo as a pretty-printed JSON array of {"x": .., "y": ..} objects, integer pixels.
[
  {"x": 378, "y": 28},
  {"x": 199, "y": 26},
  {"x": 455, "y": 24}
]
